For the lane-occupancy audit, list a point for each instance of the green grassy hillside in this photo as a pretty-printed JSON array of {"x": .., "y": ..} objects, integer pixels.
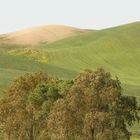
[
  {"x": 117, "y": 50},
  {"x": 12, "y": 67},
  {"x": 135, "y": 138}
]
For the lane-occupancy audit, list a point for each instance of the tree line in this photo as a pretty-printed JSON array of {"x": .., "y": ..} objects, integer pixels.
[{"x": 90, "y": 107}]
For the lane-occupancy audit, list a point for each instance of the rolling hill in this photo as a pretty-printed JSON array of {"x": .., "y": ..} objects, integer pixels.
[
  {"x": 115, "y": 49},
  {"x": 65, "y": 51},
  {"x": 41, "y": 34}
]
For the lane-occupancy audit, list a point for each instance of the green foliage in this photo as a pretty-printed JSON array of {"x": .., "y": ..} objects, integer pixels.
[
  {"x": 94, "y": 109},
  {"x": 37, "y": 55},
  {"x": 25, "y": 106},
  {"x": 39, "y": 107}
]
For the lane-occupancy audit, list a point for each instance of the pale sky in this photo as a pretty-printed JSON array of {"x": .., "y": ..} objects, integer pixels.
[{"x": 91, "y": 14}]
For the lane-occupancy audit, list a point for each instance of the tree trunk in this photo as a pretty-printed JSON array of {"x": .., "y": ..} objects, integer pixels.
[
  {"x": 93, "y": 134},
  {"x": 31, "y": 134},
  {"x": 9, "y": 135}
]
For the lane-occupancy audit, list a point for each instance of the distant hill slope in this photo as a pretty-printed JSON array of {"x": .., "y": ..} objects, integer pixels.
[
  {"x": 117, "y": 50},
  {"x": 41, "y": 34},
  {"x": 110, "y": 48}
]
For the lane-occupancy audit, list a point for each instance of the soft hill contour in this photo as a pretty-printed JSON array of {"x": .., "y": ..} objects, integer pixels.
[
  {"x": 117, "y": 50},
  {"x": 41, "y": 34}
]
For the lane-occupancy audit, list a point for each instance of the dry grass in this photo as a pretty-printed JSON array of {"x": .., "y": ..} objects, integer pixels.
[{"x": 41, "y": 34}]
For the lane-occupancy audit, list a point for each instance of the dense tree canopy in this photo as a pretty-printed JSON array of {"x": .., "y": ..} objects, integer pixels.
[
  {"x": 94, "y": 109},
  {"x": 91, "y": 107},
  {"x": 25, "y": 107}
]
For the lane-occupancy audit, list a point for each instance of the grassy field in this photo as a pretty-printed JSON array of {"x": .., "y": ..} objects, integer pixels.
[
  {"x": 11, "y": 67},
  {"x": 117, "y": 50},
  {"x": 135, "y": 138}
]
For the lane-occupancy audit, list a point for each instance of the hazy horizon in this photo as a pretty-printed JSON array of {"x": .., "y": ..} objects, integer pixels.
[{"x": 87, "y": 14}]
